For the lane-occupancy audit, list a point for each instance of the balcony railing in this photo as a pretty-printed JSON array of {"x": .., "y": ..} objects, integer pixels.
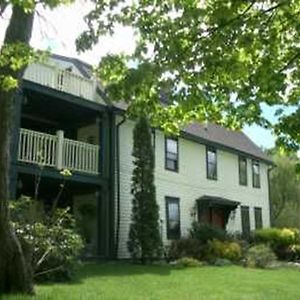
[
  {"x": 58, "y": 152},
  {"x": 62, "y": 80}
]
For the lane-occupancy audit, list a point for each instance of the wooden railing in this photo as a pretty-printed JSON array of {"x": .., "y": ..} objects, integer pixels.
[
  {"x": 62, "y": 80},
  {"x": 56, "y": 151}
]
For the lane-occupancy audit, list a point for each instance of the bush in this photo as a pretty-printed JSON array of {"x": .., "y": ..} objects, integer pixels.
[
  {"x": 50, "y": 241},
  {"x": 260, "y": 256},
  {"x": 280, "y": 240},
  {"x": 295, "y": 252},
  {"x": 207, "y": 232},
  {"x": 188, "y": 262},
  {"x": 185, "y": 247},
  {"x": 277, "y": 237},
  {"x": 224, "y": 250}
]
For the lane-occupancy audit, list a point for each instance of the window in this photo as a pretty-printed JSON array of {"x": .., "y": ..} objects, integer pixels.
[
  {"x": 258, "y": 217},
  {"x": 243, "y": 170},
  {"x": 211, "y": 163},
  {"x": 171, "y": 154},
  {"x": 245, "y": 221},
  {"x": 173, "y": 218},
  {"x": 255, "y": 174}
]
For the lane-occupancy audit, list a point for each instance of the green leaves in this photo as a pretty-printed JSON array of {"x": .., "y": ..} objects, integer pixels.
[{"x": 206, "y": 52}]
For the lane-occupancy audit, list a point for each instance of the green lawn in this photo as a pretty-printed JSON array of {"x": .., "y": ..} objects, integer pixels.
[{"x": 124, "y": 281}]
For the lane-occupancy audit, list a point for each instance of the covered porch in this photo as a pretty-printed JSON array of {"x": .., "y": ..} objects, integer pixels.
[{"x": 215, "y": 210}]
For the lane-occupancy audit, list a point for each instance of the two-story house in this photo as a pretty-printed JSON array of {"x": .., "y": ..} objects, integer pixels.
[{"x": 63, "y": 121}]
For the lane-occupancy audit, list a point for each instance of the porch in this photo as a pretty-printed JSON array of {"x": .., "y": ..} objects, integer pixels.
[
  {"x": 56, "y": 151},
  {"x": 62, "y": 80}
]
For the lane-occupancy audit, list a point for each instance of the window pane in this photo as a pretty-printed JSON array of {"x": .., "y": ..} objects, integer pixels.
[
  {"x": 173, "y": 218},
  {"x": 172, "y": 146},
  {"x": 258, "y": 217},
  {"x": 212, "y": 170},
  {"x": 245, "y": 221},
  {"x": 255, "y": 174},
  {"x": 243, "y": 171},
  {"x": 171, "y": 154},
  {"x": 211, "y": 163},
  {"x": 171, "y": 164}
]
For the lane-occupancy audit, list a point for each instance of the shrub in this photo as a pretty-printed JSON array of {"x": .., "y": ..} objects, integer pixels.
[
  {"x": 188, "y": 262},
  {"x": 50, "y": 241},
  {"x": 260, "y": 256},
  {"x": 185, "y": 247},
  {"x": 224, "y": 250},
  {"x": 280, "y": 240},
  {"x": 207, "y": 232},
  {"x": 295, "y": 252},
  {"x": 277, "y": 237}
]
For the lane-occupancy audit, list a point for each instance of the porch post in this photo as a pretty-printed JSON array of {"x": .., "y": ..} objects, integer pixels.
[{"x": 59, "y": 149}]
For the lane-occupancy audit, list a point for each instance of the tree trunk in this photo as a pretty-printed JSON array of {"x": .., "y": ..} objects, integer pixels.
[{"x": 15, "y": 272}]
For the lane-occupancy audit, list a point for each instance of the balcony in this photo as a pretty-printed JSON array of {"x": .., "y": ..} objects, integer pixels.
[
  {"x": 56, "y": 151},
  {"x": 62, "y": 80}
]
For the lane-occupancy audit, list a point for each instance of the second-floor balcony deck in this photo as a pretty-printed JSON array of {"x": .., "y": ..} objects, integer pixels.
[
  {"x": 61, "y": 79},
  {"x": 56, "y": 151}
]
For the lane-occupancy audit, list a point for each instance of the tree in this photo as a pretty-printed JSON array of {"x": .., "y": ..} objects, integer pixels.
[
  {"x": 15, "y": 54},
  {"x": 211, "y": 60},
  {"x": 144, "y": 236},
  {"x": 284, "y": 187}
]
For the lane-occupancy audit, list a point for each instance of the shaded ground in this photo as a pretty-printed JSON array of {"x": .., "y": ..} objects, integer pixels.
[{"x": 125, "y": 281}]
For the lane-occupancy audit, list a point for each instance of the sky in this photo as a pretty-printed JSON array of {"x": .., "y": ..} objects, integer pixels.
[{"x": 58, "y": 29}]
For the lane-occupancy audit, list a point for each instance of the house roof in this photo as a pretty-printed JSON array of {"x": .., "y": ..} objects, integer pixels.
[
  {"x": 84, "y": 68},
  {"x": 214, "y": 201},
  {"x": 219, "y": 136}
]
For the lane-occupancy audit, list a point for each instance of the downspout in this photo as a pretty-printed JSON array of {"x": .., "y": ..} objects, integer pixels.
[
  {"x": 118, "y": 183},
  {"x": 269, "y": 192}
]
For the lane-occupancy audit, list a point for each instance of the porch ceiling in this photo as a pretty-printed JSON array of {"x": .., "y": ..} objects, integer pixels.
[
  {"x": 214, "y": 201},
  {"x": 57, "y": 111}
]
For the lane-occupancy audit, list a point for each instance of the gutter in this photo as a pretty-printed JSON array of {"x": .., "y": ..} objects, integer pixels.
[
  {"x": 271, "y": 168},
  {"x": 118, "y": 183}
]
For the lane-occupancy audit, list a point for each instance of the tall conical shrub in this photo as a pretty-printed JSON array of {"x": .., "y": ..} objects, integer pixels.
[{"x": 144, "y": 241}]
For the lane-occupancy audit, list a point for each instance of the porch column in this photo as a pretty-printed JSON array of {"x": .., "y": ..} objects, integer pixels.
[{"x": 59, "y": 149}]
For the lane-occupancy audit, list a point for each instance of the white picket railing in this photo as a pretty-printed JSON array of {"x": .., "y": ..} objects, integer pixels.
[
  {"x": 79, "y": 156},
  {"x": 37, "y": 148},
  {"x": 62, "y": 80},
  {"x": 56, "y": 151}
]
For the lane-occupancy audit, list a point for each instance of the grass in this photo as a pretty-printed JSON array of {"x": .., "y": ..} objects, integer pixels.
[{"x": 130, "y": 282}]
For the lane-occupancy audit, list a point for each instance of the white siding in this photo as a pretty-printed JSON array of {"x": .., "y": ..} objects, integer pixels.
[{"x": 190, "y": 183}]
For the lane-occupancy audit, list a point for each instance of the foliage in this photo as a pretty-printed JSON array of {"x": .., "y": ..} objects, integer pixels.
[
  {"x": 281, "y": 240},
  {"x": 49, "y": 241},
  {"x": 277, "y": 236},
  {"x": 188, "y": 262},
  {"x": 224, "y": 250},
  {"x": 186, "y": 247},
  {"x": 144, "y": 236},
  {"x": 295, "y": 252},
  {"x": 260, "y": 256},
  {"x": 213, "y": 60},
  {"x": 284, "y": 188},
  {"x": 206, "y": 232}
]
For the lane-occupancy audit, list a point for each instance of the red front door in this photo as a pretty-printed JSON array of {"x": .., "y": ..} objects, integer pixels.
[{"x": 212, "y": 215}]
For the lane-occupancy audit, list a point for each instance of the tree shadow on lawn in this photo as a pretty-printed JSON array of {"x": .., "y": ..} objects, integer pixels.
[{"x": 115, "y": 269}]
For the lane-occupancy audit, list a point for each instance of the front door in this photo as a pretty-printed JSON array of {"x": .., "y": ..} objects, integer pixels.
[{"x": 212, "y": 215}]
